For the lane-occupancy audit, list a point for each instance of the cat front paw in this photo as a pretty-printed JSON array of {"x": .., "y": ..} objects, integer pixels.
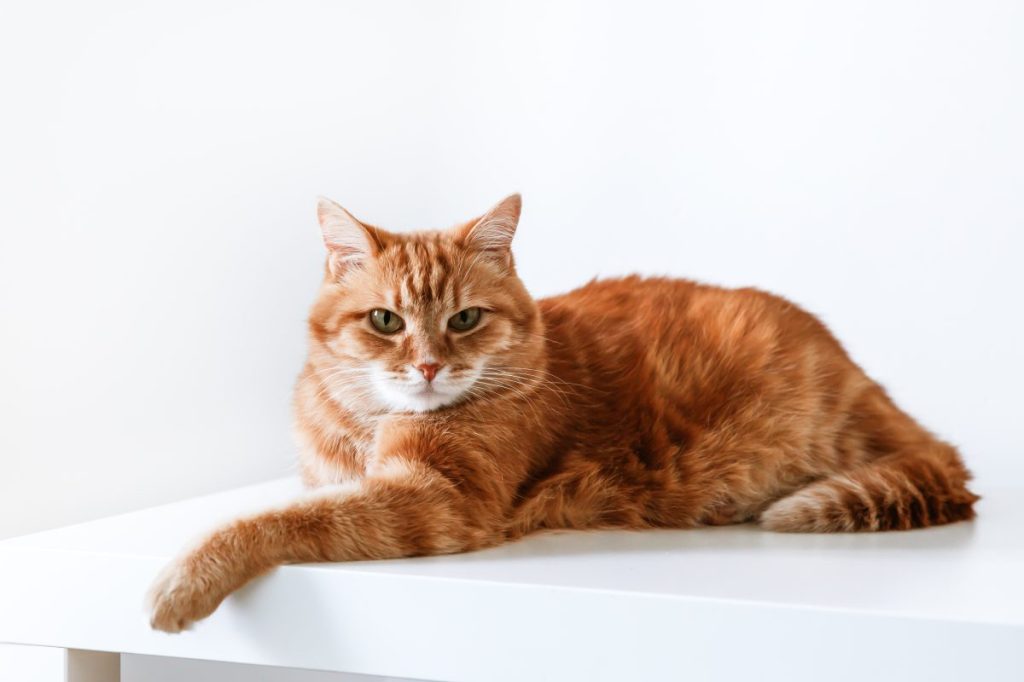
[{"x": 182, "y": 594}]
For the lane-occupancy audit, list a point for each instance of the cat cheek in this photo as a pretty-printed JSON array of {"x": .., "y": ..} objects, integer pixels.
[{"x": 497, "y": 338}]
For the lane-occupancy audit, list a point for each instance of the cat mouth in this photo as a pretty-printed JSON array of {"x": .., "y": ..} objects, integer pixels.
[
  {"x": 427, "y": 390},
  {"x": 433, "y": 394}
]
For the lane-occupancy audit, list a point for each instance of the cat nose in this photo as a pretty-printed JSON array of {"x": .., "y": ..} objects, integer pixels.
[{"x": 429, "y": 369}]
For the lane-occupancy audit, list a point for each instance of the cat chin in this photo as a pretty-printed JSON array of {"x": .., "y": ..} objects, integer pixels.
[{"x": 401, "y": 401}]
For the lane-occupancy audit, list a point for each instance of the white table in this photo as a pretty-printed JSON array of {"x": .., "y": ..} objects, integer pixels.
[{"x": 719, "y": 603}]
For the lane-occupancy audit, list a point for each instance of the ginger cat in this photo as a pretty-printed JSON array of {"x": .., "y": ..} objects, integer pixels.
[{"x": 442, "y": 409}]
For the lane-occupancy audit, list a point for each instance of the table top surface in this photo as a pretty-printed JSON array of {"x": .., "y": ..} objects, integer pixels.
[{"x": 966, "y": 572}]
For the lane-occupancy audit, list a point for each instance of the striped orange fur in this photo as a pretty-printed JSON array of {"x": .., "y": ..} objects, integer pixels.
[{"x": 628, "y": 403}]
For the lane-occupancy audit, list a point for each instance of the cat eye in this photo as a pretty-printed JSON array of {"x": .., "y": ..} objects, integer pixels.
[
  {"x": 464, "y": 320},
  {"x": 385, "y": 321}
]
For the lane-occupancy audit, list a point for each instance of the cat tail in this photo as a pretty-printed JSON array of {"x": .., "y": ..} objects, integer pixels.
[{"x": 898, "y": 491}]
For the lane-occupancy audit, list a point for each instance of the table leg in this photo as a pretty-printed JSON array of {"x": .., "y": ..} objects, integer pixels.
[{"x": 91, "y": 666}]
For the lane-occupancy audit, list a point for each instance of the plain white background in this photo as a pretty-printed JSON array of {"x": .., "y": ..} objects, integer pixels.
[{"x": 159, "y": 163}]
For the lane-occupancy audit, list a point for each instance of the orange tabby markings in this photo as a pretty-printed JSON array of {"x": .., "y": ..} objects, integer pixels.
[{"x": 629, "y": 403}]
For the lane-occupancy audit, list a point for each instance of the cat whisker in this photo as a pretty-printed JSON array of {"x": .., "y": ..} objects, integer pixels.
[
  {"x": 495, "y": 383},
  {"x": 536, "y": 376}
]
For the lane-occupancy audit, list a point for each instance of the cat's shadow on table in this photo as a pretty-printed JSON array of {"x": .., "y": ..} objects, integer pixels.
[{"x": 746, "y": 538}]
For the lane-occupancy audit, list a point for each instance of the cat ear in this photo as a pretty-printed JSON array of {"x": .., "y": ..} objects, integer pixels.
[
  {"x": 492, "y": 234},
  {"x": 348, "y": 241}
]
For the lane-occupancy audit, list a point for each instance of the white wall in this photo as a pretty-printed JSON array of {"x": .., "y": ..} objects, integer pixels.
[{"x": 159, "y": 162}]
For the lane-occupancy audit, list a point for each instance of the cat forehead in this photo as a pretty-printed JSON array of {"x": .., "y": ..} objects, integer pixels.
[{"x": 425, "y": 270}]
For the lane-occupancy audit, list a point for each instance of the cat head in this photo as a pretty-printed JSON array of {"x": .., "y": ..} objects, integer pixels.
[{"x": 417, "y": 322}]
